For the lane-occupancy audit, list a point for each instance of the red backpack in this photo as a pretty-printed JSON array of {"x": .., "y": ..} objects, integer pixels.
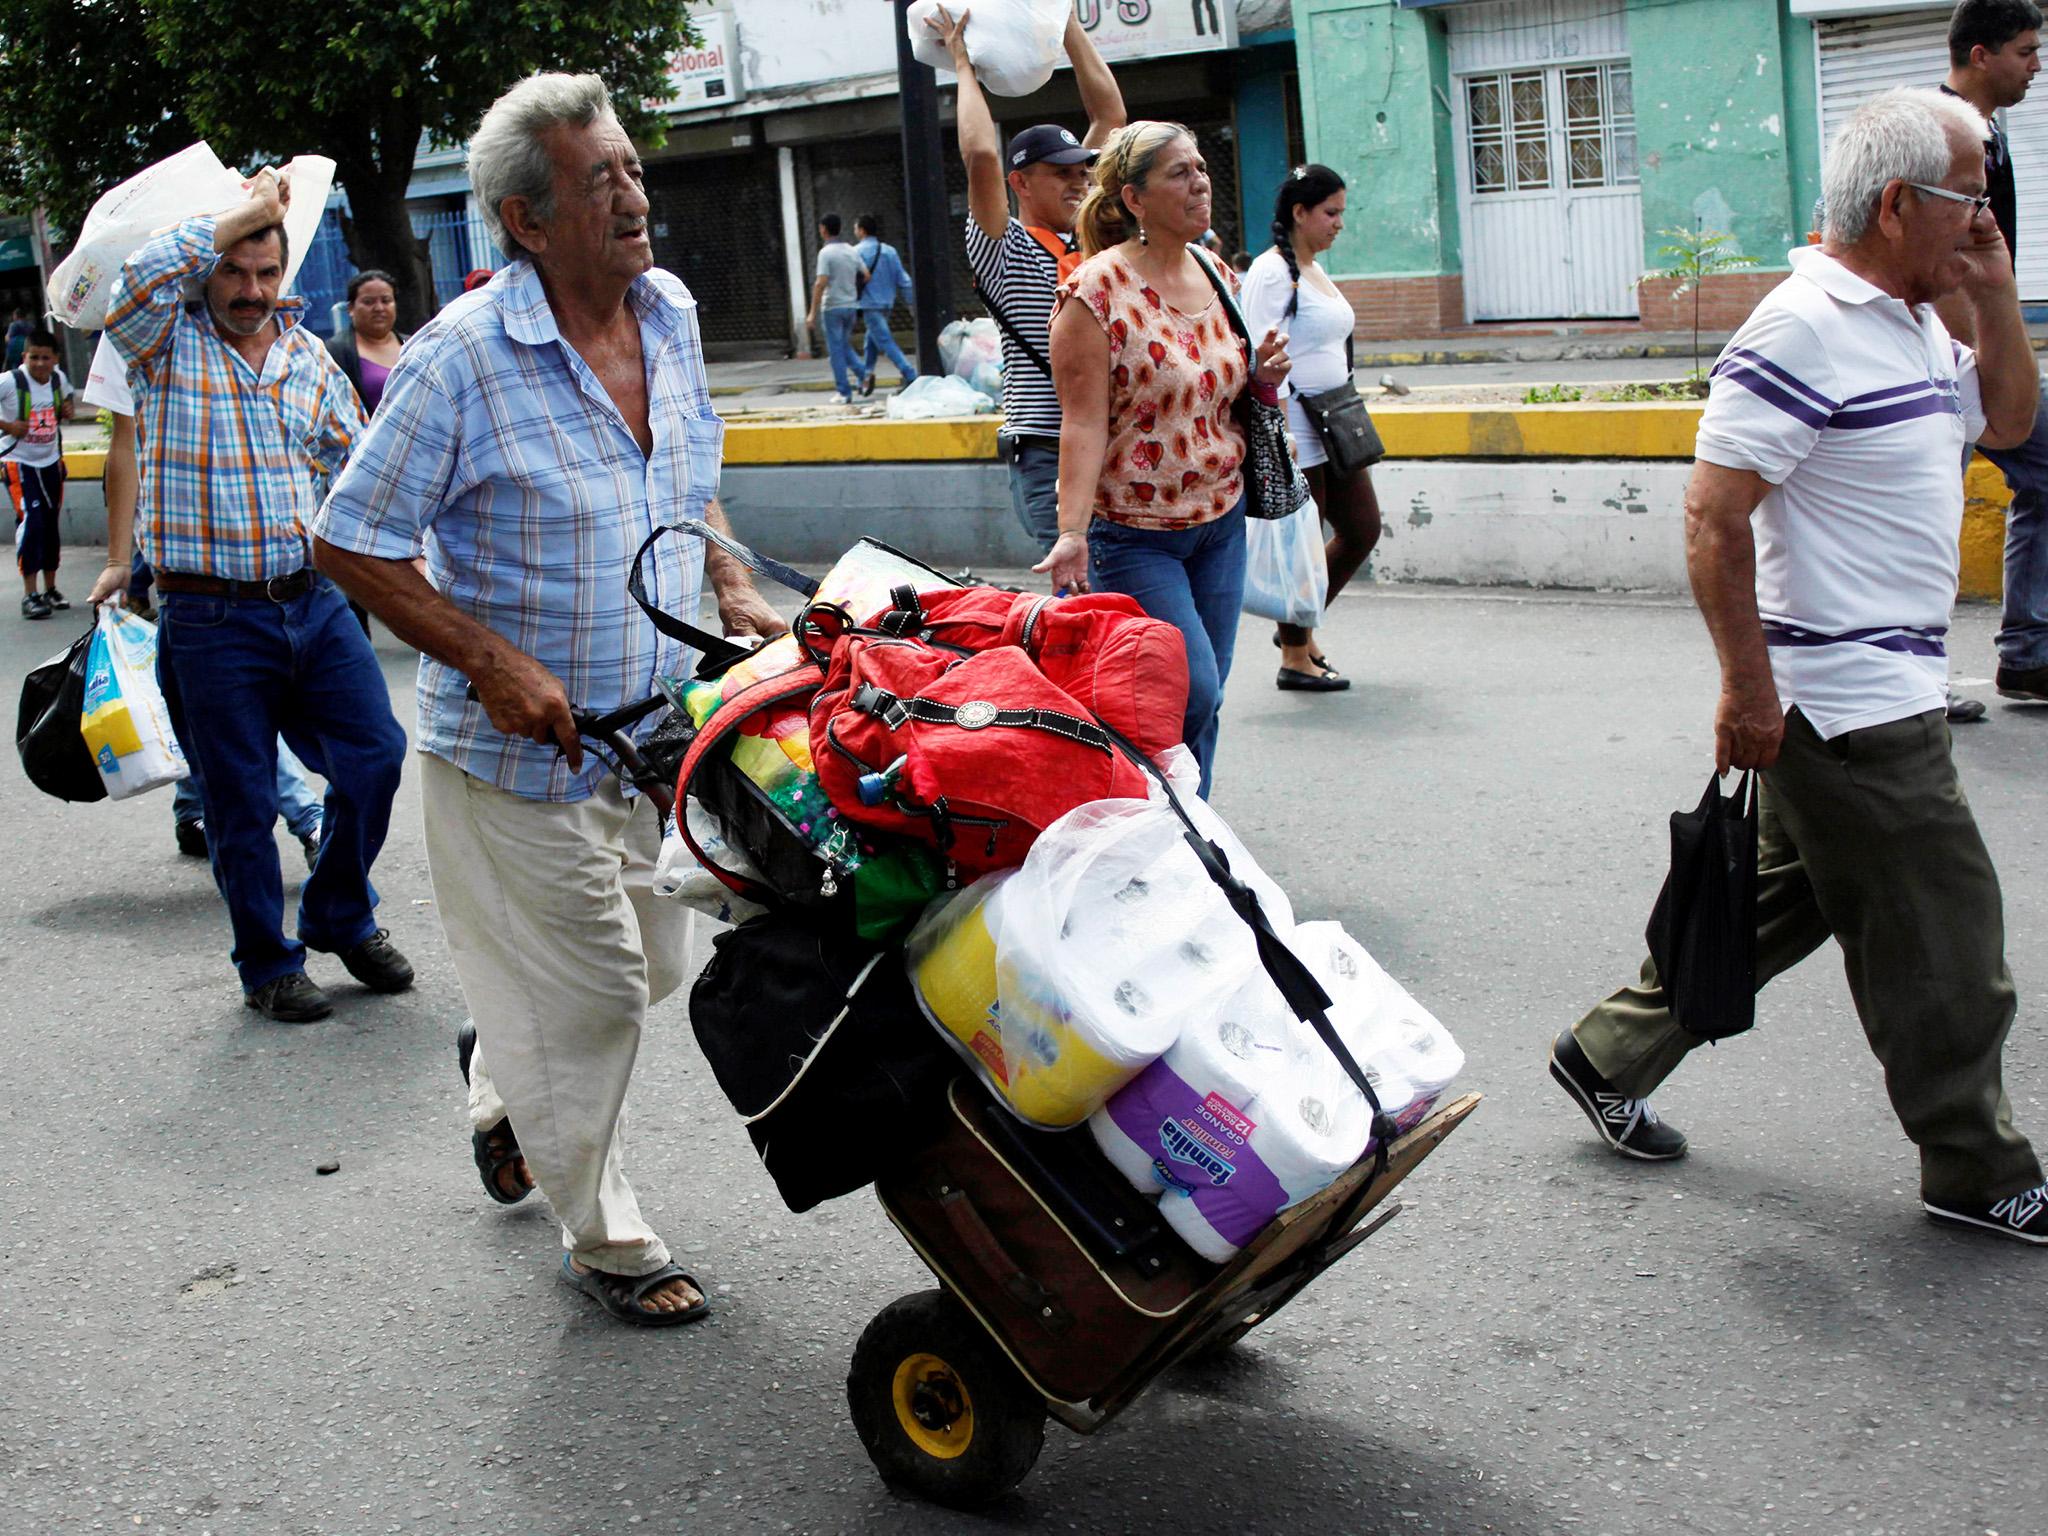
[
  {"x": 975, "y": 753},
  {"x": 1129, "y": 670}
]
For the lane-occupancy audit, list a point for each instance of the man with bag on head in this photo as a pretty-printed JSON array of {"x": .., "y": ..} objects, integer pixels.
[
  {"x": 241, "y": 411},
  {"x": 1018, "y": 262},
  {"x": 532, "y": 436},
  {"x": 1822, "y": 521}
]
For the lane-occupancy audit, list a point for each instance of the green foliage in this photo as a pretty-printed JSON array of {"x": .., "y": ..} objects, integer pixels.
[
  {"x": 1695, "y": 255},
  {"x": 1693, "y": 387},
  {"x": 85, "y": 104},
  {"x": 97, "y": 89},
  {"x": 1553, "y": 394}
]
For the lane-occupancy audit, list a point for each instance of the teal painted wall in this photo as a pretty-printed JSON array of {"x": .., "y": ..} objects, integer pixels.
[
  {"x": 1802, "y": 117},
  {"x": 1713, "y": 122},
  {"x": 1261, "y": 135},
  {"x": 1369, "y": 111}
]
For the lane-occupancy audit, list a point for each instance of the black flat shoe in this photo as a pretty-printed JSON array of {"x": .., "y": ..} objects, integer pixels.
[
  {"x": 1321, "y": 661},
  {"x": 1291, "y": 681}
]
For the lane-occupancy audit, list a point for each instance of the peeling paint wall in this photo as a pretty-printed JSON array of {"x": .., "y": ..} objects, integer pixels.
[
  {"x": 1711, "y": 119},
  {"x": 1370, "y": 74}
]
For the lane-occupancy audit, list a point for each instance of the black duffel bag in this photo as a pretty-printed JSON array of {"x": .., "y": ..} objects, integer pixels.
[
  {"x": 816, "y": 1039},
  {"x": 46, "y": 734}
]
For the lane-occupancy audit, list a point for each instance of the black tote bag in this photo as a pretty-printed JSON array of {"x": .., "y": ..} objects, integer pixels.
[
  {"x": 1702, "y": 931},
  {"x": 46, "y": 734}
]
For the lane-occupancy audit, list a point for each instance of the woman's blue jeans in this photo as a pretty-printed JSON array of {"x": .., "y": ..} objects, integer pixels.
[{"x": 1193, "y": 578}]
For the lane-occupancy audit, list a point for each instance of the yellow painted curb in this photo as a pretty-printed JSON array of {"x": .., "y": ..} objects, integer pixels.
[
  {"x": 1985, "y": 498},
  {"x": 861, "y": 442},
  {"x": 85, "y": 466}
]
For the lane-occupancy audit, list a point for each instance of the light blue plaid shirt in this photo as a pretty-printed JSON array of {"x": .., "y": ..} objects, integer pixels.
[{"x": 498, "y": 450}]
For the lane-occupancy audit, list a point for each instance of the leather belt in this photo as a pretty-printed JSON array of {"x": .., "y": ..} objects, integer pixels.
[{"x": 278, "y": 589}]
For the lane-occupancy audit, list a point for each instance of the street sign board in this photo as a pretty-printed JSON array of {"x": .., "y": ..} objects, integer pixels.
[
  {"x": 1150, "y": 29},
  {"x": 707, "y": 75}
]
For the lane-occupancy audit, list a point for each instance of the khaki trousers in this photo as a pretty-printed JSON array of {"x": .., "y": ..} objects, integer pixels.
[
  {"x": 1868, "y": 839},
  {"x": 561, "y": 945}
]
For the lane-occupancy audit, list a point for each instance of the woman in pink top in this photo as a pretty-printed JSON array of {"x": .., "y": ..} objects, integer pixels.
[{"x": 1148, "y": 368}]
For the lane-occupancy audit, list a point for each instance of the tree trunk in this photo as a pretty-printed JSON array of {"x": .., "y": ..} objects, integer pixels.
[{"x": 378, "y": 232}]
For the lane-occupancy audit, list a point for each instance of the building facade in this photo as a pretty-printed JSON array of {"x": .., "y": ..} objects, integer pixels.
[
  {"x": 1511, "y": 162},
  {"x": 1524, "y": 159}
]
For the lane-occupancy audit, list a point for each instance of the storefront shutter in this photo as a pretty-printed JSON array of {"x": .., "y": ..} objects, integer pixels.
[{"x": 1868, "y": 54}]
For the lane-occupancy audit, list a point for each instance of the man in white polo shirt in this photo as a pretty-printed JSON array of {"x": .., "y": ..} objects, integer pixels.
[{"x": 1821, "y": 538}]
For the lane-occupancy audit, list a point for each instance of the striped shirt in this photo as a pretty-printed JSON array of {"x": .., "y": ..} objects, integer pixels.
[
  {"x": 498, "y": 449},
  {"x": 1020, "y": 275},
  {"x": 233, "y": 458},
  {"x": 1856, "y": 409}
]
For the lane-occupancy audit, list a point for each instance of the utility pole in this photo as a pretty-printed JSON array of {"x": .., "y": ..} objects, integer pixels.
[{"x": 924, "y": 194}]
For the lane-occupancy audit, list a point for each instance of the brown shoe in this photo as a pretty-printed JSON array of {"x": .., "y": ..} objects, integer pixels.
[{"x": 2026, "y": 683}]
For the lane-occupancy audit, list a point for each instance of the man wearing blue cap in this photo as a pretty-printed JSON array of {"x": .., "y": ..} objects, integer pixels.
[{"x": 1018, "y": 262}]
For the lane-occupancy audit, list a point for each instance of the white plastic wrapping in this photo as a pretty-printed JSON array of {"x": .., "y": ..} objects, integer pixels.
[
  {"x": 1063, "y": 979},
  {"x": 930, "y": 396},
  {"x": 183, "y": 186},
  {"x": 1014, "y": 45},
  {"x": 1286, "y": 577}
]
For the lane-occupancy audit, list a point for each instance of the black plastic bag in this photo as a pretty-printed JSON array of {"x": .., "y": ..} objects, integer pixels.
[
  {"x": 46, "y": 734},
  {"x": 1702, "y": 931},
  {"x": 818, "y": 1042}
]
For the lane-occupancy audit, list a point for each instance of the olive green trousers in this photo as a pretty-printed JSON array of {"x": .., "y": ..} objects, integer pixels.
[{"x": 1868, "y": 839}]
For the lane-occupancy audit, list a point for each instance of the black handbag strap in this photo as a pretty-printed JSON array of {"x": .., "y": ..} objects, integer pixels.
[
  {"x": 1296, "y": 983},
  {"x": 1230, "y": 309},
  {"x": 1003, "y": 324},
  {"x": 717, "y": 650}
]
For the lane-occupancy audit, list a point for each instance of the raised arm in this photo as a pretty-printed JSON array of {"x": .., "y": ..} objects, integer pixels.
[
  {"x": 1720, "y": 561},
  {"x": 150, "y": 290},
  {"x": 987, "y": 197},
  {"x": 1100, "y": 98},
  {"x": 2007, "y": 370}
]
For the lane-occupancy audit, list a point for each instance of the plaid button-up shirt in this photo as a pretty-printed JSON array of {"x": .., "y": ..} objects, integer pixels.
[
  {"x": 497, "y": 448},
  {"x": 233, "y": 458}
]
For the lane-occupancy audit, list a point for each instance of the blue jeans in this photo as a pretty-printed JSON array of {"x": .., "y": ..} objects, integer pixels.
[
  {"x": 838, "y": 325},
  {"x": 1035, "y": 488},
  {"x": 879, "y": 344},
  {"x": 237, "y": 675},
  {"x": 1193, "y": 578},
  {"x": 2023, "y": 625},
  {"x": 295, "y": 796}
]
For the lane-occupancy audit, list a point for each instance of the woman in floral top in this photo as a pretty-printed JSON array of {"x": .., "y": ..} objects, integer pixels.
[{"x": 1148, "y": 368}]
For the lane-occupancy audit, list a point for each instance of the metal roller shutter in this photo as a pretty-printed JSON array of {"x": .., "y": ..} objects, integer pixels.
[{"x": 1861, "y": 56}]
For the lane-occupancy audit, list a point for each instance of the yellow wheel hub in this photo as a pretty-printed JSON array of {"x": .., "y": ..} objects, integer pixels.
[{"x": 933, "y": 1407}]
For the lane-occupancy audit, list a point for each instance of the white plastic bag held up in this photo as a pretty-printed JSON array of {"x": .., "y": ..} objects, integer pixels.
[
  {"x": 1286, "y": 578},
  {"x": 1013, "y": 44},
  {"x": 189, "y": 183}
]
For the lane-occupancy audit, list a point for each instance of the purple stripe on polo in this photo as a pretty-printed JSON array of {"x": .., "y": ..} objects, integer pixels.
[
  {"x": 1907, "y": 642},
  {"x": 1893, "y": 393},
  {"x": 1770, "y": 394},
  {"x": 1889, "y": 415},
  {"x": 1758, "y": 360}
]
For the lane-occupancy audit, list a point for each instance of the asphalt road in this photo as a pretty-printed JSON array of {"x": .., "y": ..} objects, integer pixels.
[{"x": 202, "y": 1335}]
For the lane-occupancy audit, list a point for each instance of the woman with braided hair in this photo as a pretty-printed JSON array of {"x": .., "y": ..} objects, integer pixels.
[
  {"x": 1148, "y": 365},
  {"x": 1286, "y": 287}
]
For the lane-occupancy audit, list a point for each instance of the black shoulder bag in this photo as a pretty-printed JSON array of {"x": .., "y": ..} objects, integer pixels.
[{"x": 1273, "y": 487}]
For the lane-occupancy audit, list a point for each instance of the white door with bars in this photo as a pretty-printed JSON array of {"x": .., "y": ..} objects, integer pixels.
[{"x": 1550, "y": 196}]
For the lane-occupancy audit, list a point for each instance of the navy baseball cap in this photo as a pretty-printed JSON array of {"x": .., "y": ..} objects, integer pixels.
[{"x": 1048, "y": 145}]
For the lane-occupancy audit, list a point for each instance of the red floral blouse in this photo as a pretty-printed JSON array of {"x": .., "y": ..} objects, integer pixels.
[{"x": 1174, "y": 447}]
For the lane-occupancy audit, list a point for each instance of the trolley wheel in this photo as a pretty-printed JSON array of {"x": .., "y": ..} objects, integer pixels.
[{"x": 939, "y": 1407}]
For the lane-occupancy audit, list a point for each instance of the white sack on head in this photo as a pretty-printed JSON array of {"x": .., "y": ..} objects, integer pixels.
[{"x": 187, "y": 184}]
